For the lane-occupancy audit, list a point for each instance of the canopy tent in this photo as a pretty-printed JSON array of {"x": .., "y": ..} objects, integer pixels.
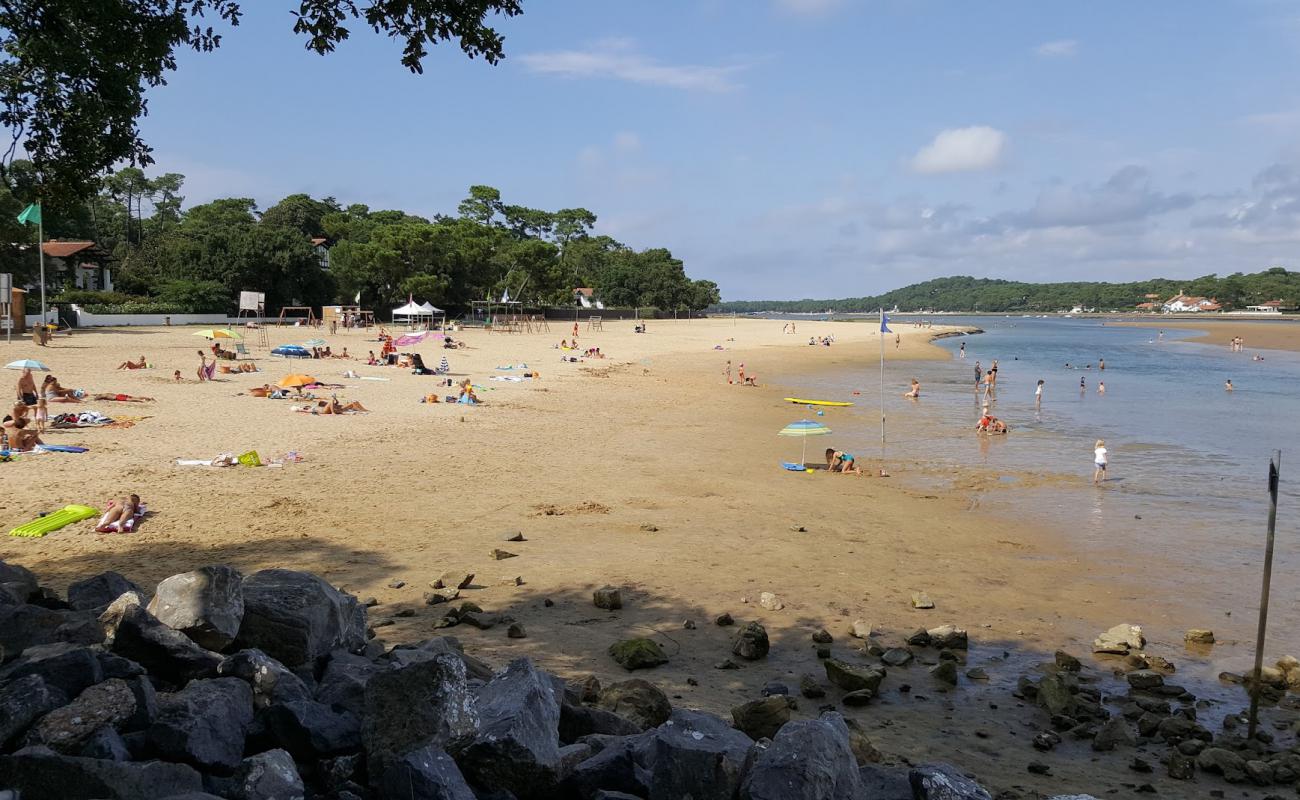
[{"x": 412, "y": 314}]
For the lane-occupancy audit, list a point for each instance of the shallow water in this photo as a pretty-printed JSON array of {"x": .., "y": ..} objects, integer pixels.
[{"x": 1189, "y": 460}]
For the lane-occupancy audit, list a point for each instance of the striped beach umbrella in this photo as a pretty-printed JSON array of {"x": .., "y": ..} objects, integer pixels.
[
  {"x": 803, "y": 429},
  {"x": 443, "y": 366}
]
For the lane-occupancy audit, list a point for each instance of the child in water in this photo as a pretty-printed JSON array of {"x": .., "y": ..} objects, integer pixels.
[{"x": 1100, "y": 457}]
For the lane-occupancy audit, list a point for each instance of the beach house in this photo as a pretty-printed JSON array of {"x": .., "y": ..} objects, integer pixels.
[
  {"x": 1269, "y": 307},
  {"x": 77, "y": 265},
  {"x": 1183, "y": 303}
]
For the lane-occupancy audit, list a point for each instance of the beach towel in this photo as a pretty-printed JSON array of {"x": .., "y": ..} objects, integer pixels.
[
  {"x": 510, "y": 378},
  {"x": 60, "y": 448},
  {"x": 84, "y": 419},
  {"x": 53, "y": 522},
  {"x": 368, "y": 378}
]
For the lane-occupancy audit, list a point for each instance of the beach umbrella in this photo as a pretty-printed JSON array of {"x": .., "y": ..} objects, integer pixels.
[
  {"x": 27, "y": 363},
  {"x": 803, "y": 429},
  {"x": 217, "y": 333},
  {"x": 314, "y": 343},
  {"x": 295, "y": 381}
]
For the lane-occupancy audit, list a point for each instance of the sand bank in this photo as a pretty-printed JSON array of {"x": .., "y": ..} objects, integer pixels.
[{"x": 1278, "y": 334}]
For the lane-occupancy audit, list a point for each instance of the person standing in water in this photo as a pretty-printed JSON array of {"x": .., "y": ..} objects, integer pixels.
[
  {"x": 1100, "y": 458},
  {"x": 1101, "y": 363},
  {"x": 1227, "y": 385},
  {"x": 979, "y": 375},
  {"x": 962, "y": 351},
  {"x": 1038, "y": 393},
  {"x": 1101, "y": 387},
  {"x": 1082, "y": 385}
]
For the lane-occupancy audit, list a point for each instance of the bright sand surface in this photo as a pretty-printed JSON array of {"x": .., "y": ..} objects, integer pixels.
[
  {"x": 644, "y": 470},
  {"x": 1277, "y": 334}
]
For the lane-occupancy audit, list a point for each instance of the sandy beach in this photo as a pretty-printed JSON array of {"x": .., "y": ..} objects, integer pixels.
[
  {"x": 1278, "y": 334},
  {"x": 643, "y": 470}
]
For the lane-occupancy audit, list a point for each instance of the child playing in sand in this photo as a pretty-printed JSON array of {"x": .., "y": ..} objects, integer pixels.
[
  {"x": 841, "y": 462},
  {"x": 1100, "y": 457}
]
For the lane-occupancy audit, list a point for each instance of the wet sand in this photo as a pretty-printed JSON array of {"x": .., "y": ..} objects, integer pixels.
[
  {"x": 644, "y": 470},
  {"x": 1278, "y": 334}
]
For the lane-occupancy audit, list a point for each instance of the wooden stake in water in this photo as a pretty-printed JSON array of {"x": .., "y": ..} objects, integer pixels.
[{"x": 1274, "y": 467}]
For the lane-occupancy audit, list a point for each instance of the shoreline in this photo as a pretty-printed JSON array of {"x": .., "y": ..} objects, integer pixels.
[
  {"x": 646, "y": 472},
  {"x": 1257, "y": 334}
]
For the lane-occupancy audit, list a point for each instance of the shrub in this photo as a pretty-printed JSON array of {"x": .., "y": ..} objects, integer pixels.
[
  {"x": 138, "y": 308},
  {"x": 196, "y": 297},
  {"x": 83, "y": 297}
]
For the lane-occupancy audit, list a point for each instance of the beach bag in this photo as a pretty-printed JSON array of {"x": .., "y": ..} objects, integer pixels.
[{"x": 251, "y": 459}]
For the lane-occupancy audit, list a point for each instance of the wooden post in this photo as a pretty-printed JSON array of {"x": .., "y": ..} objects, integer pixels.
[{"x": 1274, "y": 467}]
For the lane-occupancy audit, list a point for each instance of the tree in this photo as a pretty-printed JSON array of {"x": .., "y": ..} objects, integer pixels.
[
  {"x": 74, "y": 73},
  {"x": 482, "y": 205},
  {"x": 301, "y": 212}
]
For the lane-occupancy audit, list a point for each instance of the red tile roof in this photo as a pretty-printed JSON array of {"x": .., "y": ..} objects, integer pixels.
[{"x": 65, "y": 249}]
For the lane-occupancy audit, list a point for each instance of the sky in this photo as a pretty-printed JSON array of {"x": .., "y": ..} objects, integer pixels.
[{"x": 795, "y": 148}]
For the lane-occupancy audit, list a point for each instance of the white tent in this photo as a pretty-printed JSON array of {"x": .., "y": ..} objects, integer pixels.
[
  {"x": 412, "y": 314},
  {"x": 431, "y": 309}
]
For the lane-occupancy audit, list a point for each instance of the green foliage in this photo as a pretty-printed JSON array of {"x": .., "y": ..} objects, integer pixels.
[
  {"x": 82, "y": 297},
  {"x": 197, "y": 297},
  {"x": 963, "y": 293},
  {"x": 73, "y": 73},
  {"x": 138, "y": 308}
]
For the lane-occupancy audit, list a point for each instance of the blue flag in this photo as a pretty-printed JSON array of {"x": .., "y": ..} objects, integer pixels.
[{"x": 884, "y": 323}]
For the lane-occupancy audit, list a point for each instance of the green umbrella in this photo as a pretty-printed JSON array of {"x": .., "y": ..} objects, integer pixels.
[{"x": 803, "y": 429}]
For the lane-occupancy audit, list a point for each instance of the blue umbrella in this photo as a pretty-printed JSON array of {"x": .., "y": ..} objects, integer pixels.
[
  {"x": 803, "y": 429},
  {"x": 27, "y": 363}
]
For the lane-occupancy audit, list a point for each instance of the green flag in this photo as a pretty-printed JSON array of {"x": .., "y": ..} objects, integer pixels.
[{"x": 31, "y": 215}]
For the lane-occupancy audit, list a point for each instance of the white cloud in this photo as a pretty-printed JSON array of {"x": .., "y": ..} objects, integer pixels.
[
  {"x": 978, "y": 147},
  {"x": 809, "y": 8},
  {"x": 618, "y": 58},
  {"x": 626, "y": 142},
  {"x": 1061, "y": 48}
]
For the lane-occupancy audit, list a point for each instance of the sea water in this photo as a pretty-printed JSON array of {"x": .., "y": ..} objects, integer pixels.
[{"x": 1187, "y": 484}]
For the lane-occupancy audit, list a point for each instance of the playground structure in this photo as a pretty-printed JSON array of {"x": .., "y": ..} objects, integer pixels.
[
  {"x": 310, "y": 315},
  {"x": 348, "y": 316},
  {"x": 507, "y": 316}
]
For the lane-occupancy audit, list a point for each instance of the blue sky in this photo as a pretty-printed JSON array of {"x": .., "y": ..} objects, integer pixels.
[{"x": 796, "y": 148}]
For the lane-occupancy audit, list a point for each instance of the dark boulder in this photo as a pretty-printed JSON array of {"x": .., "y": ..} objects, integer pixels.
[
  {"x": 206, "y": 604},
  {"x": 108, "y": 704},
  {"x": 751, "y": 642},
  {"x": 22, "y": 701},
  {"x": 423, "y": 703},
  {"x": 268, "y": 776},
  {"x": 67, "y": 667},
  {"x": 808, "y": 760},
  {"x": 426, "y": 773},
  {"x": 309, "y": 729},
  {"x": 852, "y": 677},
  {"x": 24, "y": 626},
  {"x": 944, "y": 782},
  {"x": 404, "y": 654},
  {"x": 105, "y": 743},
  {"x": 271, "y": 681},
  {"x": 134, "y": 633},
  {"x": 95, "y": 593},
  {"x": 517, "y": 745},
  {"x": 638, "y": 701},
  {"x": 640, "y": 653},
  {"x": 577, "y": 721},
  {"x": 885, "y": 783},
  {"x": 38, "y": 773},
  {"x": 204, "y": 724},
  {"x": 296, "y": 617},
  {"x": 761, "y": 719},
  {"x": 343, "y": 682},
  {"x": 17, "y": 583}
]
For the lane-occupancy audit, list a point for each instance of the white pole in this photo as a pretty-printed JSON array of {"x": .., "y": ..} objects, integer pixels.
[
  {"x": 882, "y": 384},
  {"x": 40, "y": 249}
]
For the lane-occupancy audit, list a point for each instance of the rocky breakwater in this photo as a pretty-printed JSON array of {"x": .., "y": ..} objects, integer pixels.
[{"x": 271, "y": 686}]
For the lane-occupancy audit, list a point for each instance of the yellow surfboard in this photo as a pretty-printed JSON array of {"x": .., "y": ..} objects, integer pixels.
[{"x": 803, "y": 402}]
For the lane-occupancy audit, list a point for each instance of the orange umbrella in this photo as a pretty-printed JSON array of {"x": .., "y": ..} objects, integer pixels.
[{"x": 295, "y": 381}]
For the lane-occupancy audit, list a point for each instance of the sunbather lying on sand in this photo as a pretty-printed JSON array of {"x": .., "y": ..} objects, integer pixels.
[
  {"x": 121, "y": 398},
  {"x": 333, "y": 406},
  {"x": 120, "y": 516},
  {"x": 129, "y": 364}
]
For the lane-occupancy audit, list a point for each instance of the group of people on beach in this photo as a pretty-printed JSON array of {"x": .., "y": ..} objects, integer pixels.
[{"x": 742, "y": 378}]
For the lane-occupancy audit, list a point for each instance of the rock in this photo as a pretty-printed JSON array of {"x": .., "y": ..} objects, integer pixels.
[
  {"x": 513, "y": 580},
  {"x": 641, "y": 653},
  {"x": 517, "y": 745},
  {"x": 269, "y": 776},
  {"x": 295, "y": 617},
  {"x": 770, "y": 601},
  {"x": 37, "y": 772},
  {"x": 1055, "y": 696},
  {"x": 945, "y": 672},
  {"x": 444, "y": 594},
  {"x": 885, "y": 783},
  {"x": 761, "y": 719},
  {"x": 810, "y": 688},
  {"x": 726, "y": 663},
  {"x": 897, "y": 656},
  {"x": 427, "y": 772},
  {"x": 823, "y": 651},
  {"x": 853, "y": 678},
  {"x": 396, "y": 584},
  {"x": 579, "y": 721},
  {"x": 204, "y": 724},
  {"x": 95, "y": 593},
  {"x": 516, "y": 631},
  {"x": 454, "y": 579},
  {"x": 861, "y": 629},
  {"x": 639, "y": 701},
  {"x": 108, "y": 704},
  {"x": 775, "y": 688},
  {"x": 475, "y": 669},
  {"x": 310, "y": 730},
  {"x": 921, "y": 600},
  {"x": 1223, "y": 762},
  {"x": 751, "y": 642},
  {"x": 948, "y": 637},
  {"x": 481, "y": 621},
  {"x": 807, "y": 760},
  {"x": 607, "y": 597},
  {"x": 822, "y": 636},
  {"x": 1067, "y": 662},
  {"x": 944, "y": 782},
  {"x": 270, "y": 680},
  {"x": 68, "y": 668},
  {"x": 723, "y": 620},
  {"x": 105, "y": 743},
  {"x": 132, "y": 632},
  {"x": 1039, "y": 768},
  {"x": 861, "y": 697},
  {"x": 343, "y": 683},
  {"x": 22, "y": 700},
  {"x": 1119, "y": 640},
  {"x": 423, "y": 703},
  {"x": 1181, "y": 767},
  {"x": 1288, "y": 664},
  {"x": 498, "y": 554},
  {"x": 692, "y": 755},
  {"x": 24, "y": 626},
  {"x": 1046, "y": 740},
  {"x": 1259, "y": 772},
  {"x": 977, "y": 674},
  {"x": 205, "y": 604},
  {"x": 649, "y": 527},
  {"x": 1113, "y": 733},
  {"x": 1199, "y": 636},
  {"x": 17, "y": 582},
  {"x": 1145, "y": 680}
]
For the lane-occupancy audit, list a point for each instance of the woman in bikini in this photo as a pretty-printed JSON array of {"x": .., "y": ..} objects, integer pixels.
[
  {"x": 121, "y": 517},
  {"x": 129, "y": 364}
]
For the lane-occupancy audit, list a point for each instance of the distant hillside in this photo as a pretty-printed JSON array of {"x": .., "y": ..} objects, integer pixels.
[{"x": 961, "y": 293}]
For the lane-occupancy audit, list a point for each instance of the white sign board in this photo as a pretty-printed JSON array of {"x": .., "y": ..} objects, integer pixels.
[
  {"x": 252, "y": 301},
  {"x": 6, "y": 286}
]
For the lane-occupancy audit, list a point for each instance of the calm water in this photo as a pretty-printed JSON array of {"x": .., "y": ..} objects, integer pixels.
[{"x": 1187, "y": 457}]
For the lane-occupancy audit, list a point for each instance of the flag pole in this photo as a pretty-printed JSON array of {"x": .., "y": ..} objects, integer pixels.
[
  {"x": 882, "y": 385},
  {"x": 40, "y": 250}
]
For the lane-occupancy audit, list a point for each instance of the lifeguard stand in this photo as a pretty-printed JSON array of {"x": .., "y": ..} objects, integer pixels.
[{"x": 310, "y": 315}]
